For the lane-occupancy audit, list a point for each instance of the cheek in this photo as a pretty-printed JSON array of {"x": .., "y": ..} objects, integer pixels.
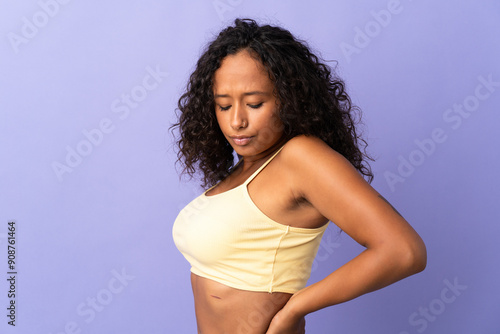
[
  {"x": 275, "y": 123},
  {"x": 271, "y": 127}
]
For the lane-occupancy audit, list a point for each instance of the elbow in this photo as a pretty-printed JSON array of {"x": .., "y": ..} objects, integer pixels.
[
  {"x": 419, "y": 262},
  {"x": 415, "y": 257},
  {"x": 407, "y": 256}
]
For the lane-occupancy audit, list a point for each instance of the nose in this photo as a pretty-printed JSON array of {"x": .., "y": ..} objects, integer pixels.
[{"x": 238, "y": 118}]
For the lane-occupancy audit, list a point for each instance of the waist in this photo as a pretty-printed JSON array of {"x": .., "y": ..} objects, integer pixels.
[{"x": 222, "y": 309}]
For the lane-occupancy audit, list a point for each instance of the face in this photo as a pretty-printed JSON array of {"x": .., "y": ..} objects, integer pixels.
[{"x": 245, "y": 106}]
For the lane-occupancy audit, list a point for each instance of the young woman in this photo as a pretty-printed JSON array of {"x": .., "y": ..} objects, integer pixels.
[{"x": 252, "y": 237}]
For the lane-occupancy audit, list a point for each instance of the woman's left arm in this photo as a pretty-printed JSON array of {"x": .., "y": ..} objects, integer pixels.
[{"x": 335, "y": 188}]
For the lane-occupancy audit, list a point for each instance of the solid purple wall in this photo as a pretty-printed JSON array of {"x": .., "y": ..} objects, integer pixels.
[{"x": 88, "y": 91}]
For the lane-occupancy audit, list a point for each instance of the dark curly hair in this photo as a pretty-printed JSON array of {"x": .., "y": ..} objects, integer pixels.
[{"x": 312, "y": 100}]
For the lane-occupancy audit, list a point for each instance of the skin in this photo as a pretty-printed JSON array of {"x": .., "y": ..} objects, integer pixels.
[{"x": 306, "y": 185}]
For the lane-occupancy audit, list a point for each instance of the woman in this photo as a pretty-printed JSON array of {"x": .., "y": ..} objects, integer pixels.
[{"x": 251, "y": 238}]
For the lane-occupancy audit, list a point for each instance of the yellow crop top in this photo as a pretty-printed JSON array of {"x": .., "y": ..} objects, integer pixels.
[{"x": 226, "y": 238}]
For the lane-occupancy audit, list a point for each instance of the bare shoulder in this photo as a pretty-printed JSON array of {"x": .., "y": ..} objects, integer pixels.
[
  {"x": 311, "y": 166},
  {"x": 304, "y": 142},
  {"x": 309, "y": 153}
]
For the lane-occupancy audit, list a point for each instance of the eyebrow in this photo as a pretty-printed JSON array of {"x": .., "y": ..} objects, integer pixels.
[{"x": 245, "y": 94}]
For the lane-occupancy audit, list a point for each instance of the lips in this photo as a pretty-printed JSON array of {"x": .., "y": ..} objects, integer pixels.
[{"x": 241, "y": 140}]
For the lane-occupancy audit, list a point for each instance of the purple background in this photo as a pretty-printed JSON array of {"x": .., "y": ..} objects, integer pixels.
[{"x": 67, "y": 68}]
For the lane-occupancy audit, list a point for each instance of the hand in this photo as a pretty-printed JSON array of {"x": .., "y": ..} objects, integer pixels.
[{"x": 284, "y": 323}]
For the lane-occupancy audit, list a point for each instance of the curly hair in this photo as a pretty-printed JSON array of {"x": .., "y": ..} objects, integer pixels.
[{"x": 312, "y": 101}]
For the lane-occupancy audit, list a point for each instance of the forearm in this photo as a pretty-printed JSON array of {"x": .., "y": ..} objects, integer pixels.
[{"x": 369, "y": 271}]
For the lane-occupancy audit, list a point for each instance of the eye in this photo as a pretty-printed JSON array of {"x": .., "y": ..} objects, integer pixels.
[
  {"x": 221, "y": 108},
  {"x": 255, "y": 106}
]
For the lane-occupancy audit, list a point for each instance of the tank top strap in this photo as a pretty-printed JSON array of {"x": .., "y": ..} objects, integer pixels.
[{"x": 262, "y": 167}]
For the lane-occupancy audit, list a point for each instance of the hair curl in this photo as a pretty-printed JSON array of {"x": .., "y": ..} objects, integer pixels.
[{"x": 312, "y": 100}]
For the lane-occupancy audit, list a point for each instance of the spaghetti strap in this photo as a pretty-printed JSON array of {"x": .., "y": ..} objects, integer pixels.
[{"x": 247, "y": 181}]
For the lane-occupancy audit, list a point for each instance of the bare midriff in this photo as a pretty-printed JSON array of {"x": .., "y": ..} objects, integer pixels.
[{"x": 224, "y": 310}]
